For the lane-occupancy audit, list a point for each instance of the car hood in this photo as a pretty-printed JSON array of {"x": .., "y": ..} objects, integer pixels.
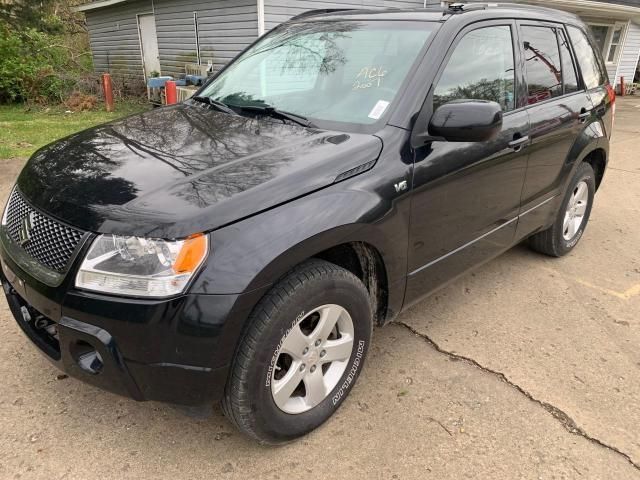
[{"x": 175, "y": 171}]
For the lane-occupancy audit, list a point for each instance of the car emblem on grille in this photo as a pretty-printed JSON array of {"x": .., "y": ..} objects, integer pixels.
[{"x": 26, "y": 228}]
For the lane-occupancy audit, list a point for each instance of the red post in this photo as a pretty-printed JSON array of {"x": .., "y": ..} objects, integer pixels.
[
  {"x": 622, "y": 86},
  {"x": 170, "y": 92},
  {"x": 108, "y": 91}
]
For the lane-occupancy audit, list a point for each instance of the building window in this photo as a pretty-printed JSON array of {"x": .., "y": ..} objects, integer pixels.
[
  {"x": 615, "y": 43},
  {"x": 600, "y": 34},
  {"x": 609, "y": 38}
]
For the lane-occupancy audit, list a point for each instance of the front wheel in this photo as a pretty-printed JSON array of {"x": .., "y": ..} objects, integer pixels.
[
  {"x": 301, "y": 354},
  {"x": 572, "y": 217}
]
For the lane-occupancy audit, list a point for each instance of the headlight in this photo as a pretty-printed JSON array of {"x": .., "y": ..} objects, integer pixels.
[{"x": 141, "y": 267}]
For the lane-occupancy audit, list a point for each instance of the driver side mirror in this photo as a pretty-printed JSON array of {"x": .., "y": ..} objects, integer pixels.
[{"x": 466, "y": 121}]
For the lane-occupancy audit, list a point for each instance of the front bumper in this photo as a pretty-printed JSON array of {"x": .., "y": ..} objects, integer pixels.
[{"x": 174, "y": 350}]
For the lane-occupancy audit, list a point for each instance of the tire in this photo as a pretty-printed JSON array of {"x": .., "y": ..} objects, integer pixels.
[
  {"x": 561, "y": 237},
  {"x": 296, "y": 311}
]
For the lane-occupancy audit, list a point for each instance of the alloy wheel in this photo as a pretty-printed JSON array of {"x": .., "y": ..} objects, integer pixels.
[
  {"x": 312, "y": 358},
  {"x": 576, "y": 209}
]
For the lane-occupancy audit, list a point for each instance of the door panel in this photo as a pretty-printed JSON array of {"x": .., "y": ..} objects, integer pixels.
[
  {"x": 466, "y": 196},
  {"x": 149, "y": 43},
  {"x": 558, "y": 111},
  {"x": 555, "y": 126}
]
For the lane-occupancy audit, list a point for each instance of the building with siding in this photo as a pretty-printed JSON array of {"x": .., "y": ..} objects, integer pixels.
[{"x": 138, "y": 37}]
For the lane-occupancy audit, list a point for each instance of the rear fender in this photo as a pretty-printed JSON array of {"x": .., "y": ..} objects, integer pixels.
[{"x": 592, "y": 137}]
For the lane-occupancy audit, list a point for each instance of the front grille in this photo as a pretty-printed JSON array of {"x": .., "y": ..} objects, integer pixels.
[{"x": 50, "y": 242}]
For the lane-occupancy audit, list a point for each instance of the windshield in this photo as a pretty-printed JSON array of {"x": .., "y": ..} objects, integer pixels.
[{"x": 337, "y": 71}]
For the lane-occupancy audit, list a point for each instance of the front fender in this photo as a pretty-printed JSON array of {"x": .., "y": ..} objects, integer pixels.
[
  {"x": 257, "y": 251},
  {"x": 249, "y": 256}
]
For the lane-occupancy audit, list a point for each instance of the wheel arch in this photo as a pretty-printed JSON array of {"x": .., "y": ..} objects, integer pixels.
[
  {"x": 592, "y": 147},
  {"x": 365, "y": 262},
  {"x": 597, "y": 158},
  {"x": 362, "y": 256},
  {"x": 356, "y": 254}
]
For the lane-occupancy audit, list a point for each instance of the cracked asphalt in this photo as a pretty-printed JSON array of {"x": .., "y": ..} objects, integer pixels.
[{"x": 528, "y": 367}]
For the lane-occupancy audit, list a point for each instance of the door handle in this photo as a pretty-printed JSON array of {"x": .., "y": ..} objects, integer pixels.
[
  {"x": 518, "y": 143},
  {"x": 584, "y": 114}
]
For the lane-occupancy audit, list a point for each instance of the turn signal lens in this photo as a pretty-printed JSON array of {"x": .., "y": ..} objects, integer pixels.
[{"x": 191, "y": 255}]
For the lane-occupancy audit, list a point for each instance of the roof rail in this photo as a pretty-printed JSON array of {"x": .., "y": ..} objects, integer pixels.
[
  {"x": 319, "y": 11},
  {"x": 467, "y": 7}
]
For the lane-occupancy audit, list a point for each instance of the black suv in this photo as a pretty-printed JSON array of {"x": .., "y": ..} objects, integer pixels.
[{"x": 240, "y": 246}]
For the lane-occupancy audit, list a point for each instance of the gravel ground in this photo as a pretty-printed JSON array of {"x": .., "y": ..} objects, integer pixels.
[{"x": 526, "y": 368}]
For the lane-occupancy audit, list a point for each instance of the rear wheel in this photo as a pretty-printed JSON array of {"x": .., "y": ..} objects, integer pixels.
[
  {"x": 572, "y": 217},
  {"x": 301, "y": 354}
]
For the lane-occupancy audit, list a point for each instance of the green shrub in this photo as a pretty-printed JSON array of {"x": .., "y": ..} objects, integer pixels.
[
  {"x": 35, "y": 67},
  {"x": 13, "y": 69}
]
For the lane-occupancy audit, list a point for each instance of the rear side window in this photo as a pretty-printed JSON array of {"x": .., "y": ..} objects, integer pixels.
[
  {"x": 480, "y": 68},
  {"x": 542, "y": 63},
  {"x": 587, "y": 60},
  {"x": 569, "y": 77}
]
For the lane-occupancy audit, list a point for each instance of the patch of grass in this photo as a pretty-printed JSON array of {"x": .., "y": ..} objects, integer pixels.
[{"x": 23, "y": 130}]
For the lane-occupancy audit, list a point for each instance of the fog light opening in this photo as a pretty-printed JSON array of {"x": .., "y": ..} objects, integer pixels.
[{"x": 87, "y": 357}]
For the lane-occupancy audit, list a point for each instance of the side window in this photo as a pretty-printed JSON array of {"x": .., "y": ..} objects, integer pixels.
[
  {"x": 542, "y": 64},
  {"x": 481, "y": 67},
  {"x": 589, "y": 64},
  {"x": 569, "y": 77}
]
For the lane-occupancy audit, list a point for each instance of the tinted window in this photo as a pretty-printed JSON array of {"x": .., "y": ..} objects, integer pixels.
[
  {"x": 569, "y": 76},
  {"x": 481, "y": 67},
  {"x": 542, "y": 63},
  {"x": 587, "y": 60}
]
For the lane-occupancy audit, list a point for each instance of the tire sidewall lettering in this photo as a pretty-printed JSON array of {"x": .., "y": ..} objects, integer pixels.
[
  {"x": 348, "y": 381},
  {"x": 575, "y": 239},
  {"x": 276, "y": 353}
]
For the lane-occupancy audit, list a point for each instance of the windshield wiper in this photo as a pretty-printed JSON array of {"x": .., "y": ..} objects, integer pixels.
[
  {"x": 276, "y": 113},
  {"x": 223, "y": 107}
]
